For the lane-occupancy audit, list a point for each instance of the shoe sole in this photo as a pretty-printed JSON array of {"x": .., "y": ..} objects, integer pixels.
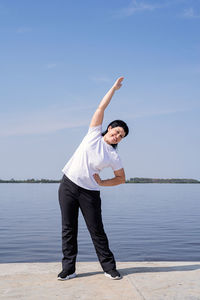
[
  {"x": 113, "y": 278},
  {"x": 67, "y": 277}
]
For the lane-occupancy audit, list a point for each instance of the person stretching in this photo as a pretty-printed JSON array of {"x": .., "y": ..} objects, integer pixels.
[{"x": 80, "y": 188}]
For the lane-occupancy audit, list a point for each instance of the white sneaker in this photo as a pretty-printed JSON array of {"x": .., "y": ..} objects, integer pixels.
[
  {"x": 65, "y": 276},
  {"x": 113, "y": 274}
]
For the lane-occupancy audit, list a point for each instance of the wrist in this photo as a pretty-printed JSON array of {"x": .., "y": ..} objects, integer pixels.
[{"x": 100, "y": 182}]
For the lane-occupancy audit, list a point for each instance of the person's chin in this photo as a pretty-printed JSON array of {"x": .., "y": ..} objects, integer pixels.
[{"x": 114, "y": 142}]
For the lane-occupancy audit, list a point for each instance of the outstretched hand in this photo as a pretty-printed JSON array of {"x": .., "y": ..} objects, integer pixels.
[{"x": 118, "y": 83}]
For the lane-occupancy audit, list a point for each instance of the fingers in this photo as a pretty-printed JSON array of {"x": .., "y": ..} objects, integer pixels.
[
  {"x": 118, "y": 83},
  {"x": 120, "y": 79},
  {"x": 97, "y": 178}
]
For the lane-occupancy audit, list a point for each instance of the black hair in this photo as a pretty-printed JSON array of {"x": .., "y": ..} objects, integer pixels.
[{"x": 117, "y": 123}]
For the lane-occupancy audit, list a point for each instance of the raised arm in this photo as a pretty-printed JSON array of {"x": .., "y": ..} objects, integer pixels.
[{"x": 97, "y": 118}]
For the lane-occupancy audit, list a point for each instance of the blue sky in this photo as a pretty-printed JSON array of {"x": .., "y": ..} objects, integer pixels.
[{"x": 59, "y": 58}]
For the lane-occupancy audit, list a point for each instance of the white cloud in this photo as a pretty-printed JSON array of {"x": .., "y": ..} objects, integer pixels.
[
  {"x": 152, "y": 113},
  {"x": 56, "y": 118},
  {"x": 100, "y": 79},
  {"x": 27, "y": 127},
  {"x": 190, "y": 13},
  {"x": 51, "y": 65},
  {"x": 134, "y": 7},
  {"x": 44, "y": 122},
  {"x": 24, "y": 29}
]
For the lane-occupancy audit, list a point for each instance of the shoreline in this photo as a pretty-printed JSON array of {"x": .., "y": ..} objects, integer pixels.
[{"x": 127, "y": 182}]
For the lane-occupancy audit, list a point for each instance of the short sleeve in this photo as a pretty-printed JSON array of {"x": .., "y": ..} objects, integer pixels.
[
  {"x": 94, "y": 132},
  {"x": 116, "y": 163},
  {"x": 95, "y": 129}
]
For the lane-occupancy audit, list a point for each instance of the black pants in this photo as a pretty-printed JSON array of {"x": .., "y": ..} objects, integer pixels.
[{"x": 71, "y": 197}]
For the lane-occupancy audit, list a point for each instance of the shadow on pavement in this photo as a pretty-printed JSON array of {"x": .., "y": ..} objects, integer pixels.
[{"x": 133, "y": 270}]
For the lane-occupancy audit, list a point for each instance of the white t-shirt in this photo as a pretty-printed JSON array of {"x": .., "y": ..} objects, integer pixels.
[{"x": 92, "y": 155}]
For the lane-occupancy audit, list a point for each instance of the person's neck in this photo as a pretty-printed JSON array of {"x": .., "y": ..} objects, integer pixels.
[{"x": 105, "y": 139}]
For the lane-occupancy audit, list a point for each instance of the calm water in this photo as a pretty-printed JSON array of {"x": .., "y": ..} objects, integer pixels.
[{"x": 144, "y": 222}]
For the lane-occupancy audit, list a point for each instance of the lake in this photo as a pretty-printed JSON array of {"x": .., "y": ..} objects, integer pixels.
[{"x": 143, "y": 222}]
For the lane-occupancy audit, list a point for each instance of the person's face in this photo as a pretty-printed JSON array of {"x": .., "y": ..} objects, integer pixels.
[{"x": 114, "y": 135}]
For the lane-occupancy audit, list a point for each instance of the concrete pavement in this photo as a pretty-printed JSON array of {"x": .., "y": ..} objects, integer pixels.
[{"x": 141, "y": 281}]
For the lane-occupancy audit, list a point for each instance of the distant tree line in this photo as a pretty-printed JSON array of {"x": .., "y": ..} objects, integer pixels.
[
  {"x": 158, "y": 180},
  {"x": 131, "y": 180},
  {"x": 32, "y": 180}
]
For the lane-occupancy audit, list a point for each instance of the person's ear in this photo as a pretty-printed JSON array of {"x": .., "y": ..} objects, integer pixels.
[{"x": 109, "y": 128}]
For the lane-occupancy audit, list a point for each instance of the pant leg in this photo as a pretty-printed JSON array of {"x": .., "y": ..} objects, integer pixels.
[
  {"x": 90, "y": 204},
  {"x": 68, "y": 200}
]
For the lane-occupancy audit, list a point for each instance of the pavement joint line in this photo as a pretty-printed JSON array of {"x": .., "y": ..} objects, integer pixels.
[{"x": 136, "y": 288}]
